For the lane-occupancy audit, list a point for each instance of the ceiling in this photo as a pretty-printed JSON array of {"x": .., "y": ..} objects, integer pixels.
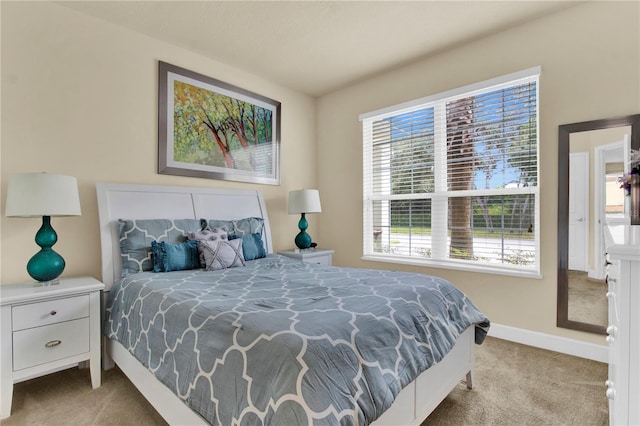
[{"x": 316, "y": 47}]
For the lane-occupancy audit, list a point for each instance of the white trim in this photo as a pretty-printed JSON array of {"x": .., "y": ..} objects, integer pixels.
[
  {"x": 549, "y": 342},
  {"x": 496, "y": 81},
  {"x": 456, "y": 265}
]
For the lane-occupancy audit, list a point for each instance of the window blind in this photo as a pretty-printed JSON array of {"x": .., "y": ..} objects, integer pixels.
[{"x": 453, "y": 178}]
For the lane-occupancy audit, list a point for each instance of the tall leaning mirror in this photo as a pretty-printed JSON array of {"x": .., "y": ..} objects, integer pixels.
[{"x": 592, "y": 155}]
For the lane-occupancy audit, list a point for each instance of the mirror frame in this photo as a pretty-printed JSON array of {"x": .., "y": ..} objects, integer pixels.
[{"x": 564, "y": 132}]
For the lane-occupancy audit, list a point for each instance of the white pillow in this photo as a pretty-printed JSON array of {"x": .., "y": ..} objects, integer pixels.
[{"x": 221, "y": 254}]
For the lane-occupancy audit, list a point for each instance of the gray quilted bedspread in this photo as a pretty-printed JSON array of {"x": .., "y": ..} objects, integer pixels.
[{"x": 281, "y": 342}]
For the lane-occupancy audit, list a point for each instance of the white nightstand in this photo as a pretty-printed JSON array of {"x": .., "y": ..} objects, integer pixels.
[
  {"x": 317, "y": 256},
  {"x": 44, "y": 329}
]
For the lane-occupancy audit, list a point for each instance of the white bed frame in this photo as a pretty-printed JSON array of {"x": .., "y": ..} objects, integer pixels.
[{"x": 123, "y": 201}]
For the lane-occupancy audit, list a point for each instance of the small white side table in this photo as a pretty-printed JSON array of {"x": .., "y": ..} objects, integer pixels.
[
  {"x": 47, "y": 328},
  {"x": 317, "y": 256}
]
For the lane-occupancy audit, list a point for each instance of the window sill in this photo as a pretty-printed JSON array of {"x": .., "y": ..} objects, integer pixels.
[{"x": 454, "y": 266}]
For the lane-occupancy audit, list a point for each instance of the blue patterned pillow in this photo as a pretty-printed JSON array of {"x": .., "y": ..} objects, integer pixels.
[
  {"x": 169, "y": 257},
  {"x": 246, "y": 226},
  {"x": 252, "y": 246},
  {"x": 136, "y": 237}
]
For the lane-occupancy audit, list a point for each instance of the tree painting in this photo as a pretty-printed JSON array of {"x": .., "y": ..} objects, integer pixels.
[{"x": 213, "y": 129}]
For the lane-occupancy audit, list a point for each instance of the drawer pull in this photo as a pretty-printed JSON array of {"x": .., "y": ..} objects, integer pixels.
[
  {"x": 52, "y": 313},
  {"x": 611, "y": 393},
  {"x": 52, "y": 343}
]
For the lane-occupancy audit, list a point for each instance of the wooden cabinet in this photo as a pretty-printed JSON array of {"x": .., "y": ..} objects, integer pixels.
[
  {"x": 623, "y": 334},
  {"x": 46, "y": 328},
  {"x": 317, "y": 256}
]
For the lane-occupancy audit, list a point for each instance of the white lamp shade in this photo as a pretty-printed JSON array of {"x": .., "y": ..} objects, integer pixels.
[
  {"x": 42, "y": 194},
  {"x": 304, "y": 201}
]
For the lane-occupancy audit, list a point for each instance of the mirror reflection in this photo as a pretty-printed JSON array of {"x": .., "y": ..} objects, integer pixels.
[
  {"x": 591, "y": 157},
  {"x": 596, "y": 160}
]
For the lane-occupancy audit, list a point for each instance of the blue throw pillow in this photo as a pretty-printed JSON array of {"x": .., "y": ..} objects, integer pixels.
[
  {"x": 252, "y": 246},
  {"x": 169, "y": 257}
]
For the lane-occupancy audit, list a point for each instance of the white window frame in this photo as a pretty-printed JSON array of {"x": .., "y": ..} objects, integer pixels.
[{"x": 439, "y": 255}]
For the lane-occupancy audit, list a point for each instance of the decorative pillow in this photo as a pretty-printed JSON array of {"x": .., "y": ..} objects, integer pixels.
[
  {"x": 136, "y": 237},
  {"x": 169, "y": 257},
  {"x": 252, "y": 246},
  {"x": 207, "y": 234},
  {"x": 221, "y": 254},
  {"x": 246, "y": 226}
]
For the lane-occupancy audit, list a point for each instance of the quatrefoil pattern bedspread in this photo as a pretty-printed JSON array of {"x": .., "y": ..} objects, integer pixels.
[{"x": 281, "y": 342}]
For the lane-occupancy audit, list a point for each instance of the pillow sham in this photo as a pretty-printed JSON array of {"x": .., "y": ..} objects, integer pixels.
[
  {"x": 169, "y": 257},
  {"x": 136, "y": 236},
  {"x": 221, "y": 254},
  {"x": 252, "y": 246},
  {"x": 207, "y": 234},
  {"x": 246, "y": 226}
]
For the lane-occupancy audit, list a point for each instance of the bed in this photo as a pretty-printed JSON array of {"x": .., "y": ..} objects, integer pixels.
[{"x": 274, "y": 340}]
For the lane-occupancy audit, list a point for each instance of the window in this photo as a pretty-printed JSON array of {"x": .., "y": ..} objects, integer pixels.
[{"x": 452, "y": 180}]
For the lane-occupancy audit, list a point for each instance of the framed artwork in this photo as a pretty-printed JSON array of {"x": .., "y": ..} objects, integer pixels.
[{"x": 211, "y": 129}]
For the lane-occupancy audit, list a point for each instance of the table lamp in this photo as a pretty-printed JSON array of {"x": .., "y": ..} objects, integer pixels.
[
  {"x": 46, "y": 195},
  {"x": 304, "y": 201}
]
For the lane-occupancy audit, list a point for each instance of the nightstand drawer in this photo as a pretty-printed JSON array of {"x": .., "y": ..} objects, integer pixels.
[
  {"x": 50, "y": 312},
  {"x": 320, "y": 260},
  {"x": 49, "y": 343}
]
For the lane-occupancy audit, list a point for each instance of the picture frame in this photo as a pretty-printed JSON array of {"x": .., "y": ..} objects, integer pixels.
[{"x": 211, "y": 129}]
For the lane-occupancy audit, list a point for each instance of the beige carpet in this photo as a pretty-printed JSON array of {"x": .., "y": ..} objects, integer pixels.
[
  {"x": 521, "y": 385},
  {"x": 587, "y": 299},
  {"x": 514, "y": 385}
]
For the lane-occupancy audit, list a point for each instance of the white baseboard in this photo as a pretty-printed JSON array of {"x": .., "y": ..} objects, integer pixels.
[{"x": 550, "y": 342}]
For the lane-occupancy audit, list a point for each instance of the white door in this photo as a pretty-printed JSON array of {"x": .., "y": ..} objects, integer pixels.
[
  {"x": 616, "y": 153},
  {"x": 578, "y": 211}
]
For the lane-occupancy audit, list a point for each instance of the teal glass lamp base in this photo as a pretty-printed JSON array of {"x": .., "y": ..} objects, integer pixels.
[
  {"x": 303, "y": 240},
  {"x": 46, "y": 265}
]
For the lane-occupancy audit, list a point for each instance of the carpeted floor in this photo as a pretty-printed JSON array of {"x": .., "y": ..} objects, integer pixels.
[
  {"x": 587, "y": 299},
  {"x": 520, "y": 385},
  {"x": 514, "y": 385}
]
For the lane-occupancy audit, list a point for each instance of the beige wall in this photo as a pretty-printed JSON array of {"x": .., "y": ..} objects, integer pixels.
[
  {"x": 79, "y": 97},
  {"x": 590, "y": 58}
]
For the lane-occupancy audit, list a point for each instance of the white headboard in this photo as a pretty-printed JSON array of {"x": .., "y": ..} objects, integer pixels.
[{"x": 124, "y": 201}]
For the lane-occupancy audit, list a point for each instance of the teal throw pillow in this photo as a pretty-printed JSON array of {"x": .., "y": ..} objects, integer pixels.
[
  {"x": 169, "y": 257},
  {"x": 252, "y": 246}
]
